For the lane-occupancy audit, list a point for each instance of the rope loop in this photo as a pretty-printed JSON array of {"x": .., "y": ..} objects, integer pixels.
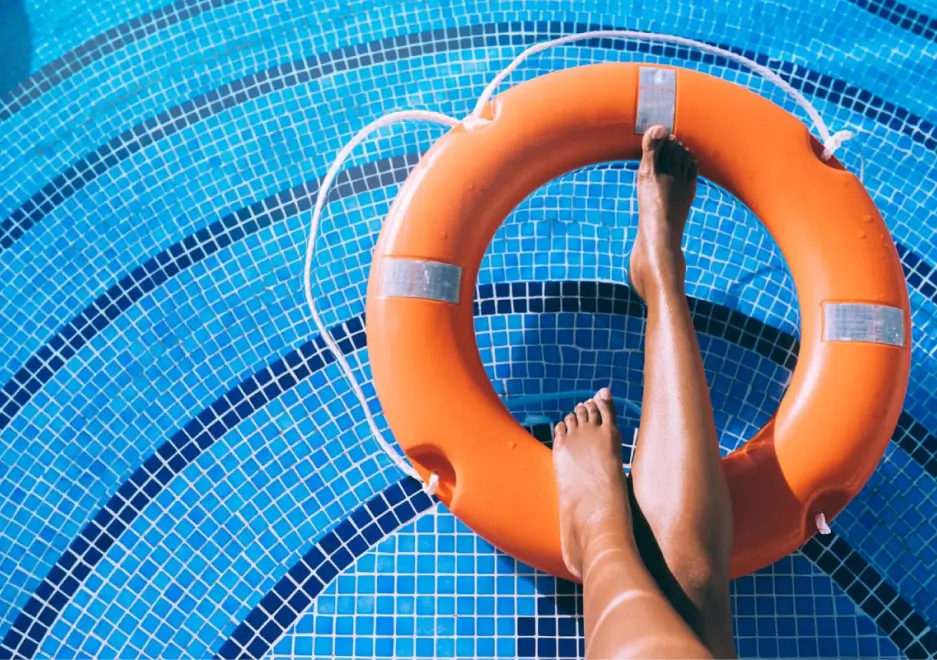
[{"x": 831, "y": 142}]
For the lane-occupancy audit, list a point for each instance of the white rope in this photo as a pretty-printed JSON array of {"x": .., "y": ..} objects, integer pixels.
[
  {"x": 834, "y": 142},
  {"x": 360, "y": 136},
  {"x": 431, "y": 486},
  {"x": 819, "y": 520},
  {"x": 831, "y": 142}
]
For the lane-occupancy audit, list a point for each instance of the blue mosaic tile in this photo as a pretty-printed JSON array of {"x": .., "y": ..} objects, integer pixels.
[
  {"x": 873, "y": 594},
  {"x": 40, "y": 368},
  {"x": 913, "y": 20},
  {"x": 279, "y": 377},
  {"x": 177, "y": 118},
  {"x": 63, "y": 67},
  {"x": 143, "y": 485},
  {"x": 790, "y": 609},
  {"x": 318, "y": 567},
  {"x": 78, "y": 400}
]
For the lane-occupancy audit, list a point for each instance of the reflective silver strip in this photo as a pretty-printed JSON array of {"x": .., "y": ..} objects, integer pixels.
[
  {"x": 657, "y": 98},
  {"x": 863, "y": 322},
  {"x": 413, "y": 278}
]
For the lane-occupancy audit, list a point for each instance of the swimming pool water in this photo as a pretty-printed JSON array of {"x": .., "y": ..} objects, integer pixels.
[{"x": 183, "y": 470}]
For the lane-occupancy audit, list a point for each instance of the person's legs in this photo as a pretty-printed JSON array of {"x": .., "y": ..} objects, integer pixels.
[
  {"x": 683, "y": 514},
  {"x": 626, "y": 615}
]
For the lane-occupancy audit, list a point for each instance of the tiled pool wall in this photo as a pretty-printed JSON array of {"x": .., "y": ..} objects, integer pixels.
[{"x": 184, "y": 470}]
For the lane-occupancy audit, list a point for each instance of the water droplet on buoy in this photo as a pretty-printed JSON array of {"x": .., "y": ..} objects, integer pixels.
[
  {"x": 866, "y": 217},
  {"x": 512, "y": 444},
  {"x": 861, "y": 233}
]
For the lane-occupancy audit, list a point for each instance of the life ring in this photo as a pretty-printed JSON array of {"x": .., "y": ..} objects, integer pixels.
[{"x": 846, "y": 391}]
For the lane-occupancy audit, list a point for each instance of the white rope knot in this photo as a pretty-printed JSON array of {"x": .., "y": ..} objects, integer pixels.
[
  {"x": 834, "y": 142},
  {"x": 431, "y": 486},
  {"x": 820, "y": 519},
  {"x": 474, "y": 121}
]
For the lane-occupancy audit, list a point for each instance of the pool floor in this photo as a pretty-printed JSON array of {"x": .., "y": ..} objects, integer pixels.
[{"x": 184, "y": 471}]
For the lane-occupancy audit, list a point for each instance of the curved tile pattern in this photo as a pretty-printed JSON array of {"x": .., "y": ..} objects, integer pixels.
[
  {"x": 154, "y": 272},
  {"x": 319, "y": 567},
  {"x": 398, "y": 601},
  {"x": 897, "y": 13},
  {"x": 105, "y": 43},
  {"x": 42, "y": 366},
  {"x": 83, "y": 554},
  {"x": 882, "y": 556},
  {"x": 331, "y": 554},
  {"x": 238, "y": 404},
  {"x": 869, "y": 590},
  {"x": 170, "y": 121}
]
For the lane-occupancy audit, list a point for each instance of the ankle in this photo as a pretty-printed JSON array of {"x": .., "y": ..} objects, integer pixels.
[
  {"x": 663, "y": 286},
  {"x": 607, "y": 535},
  {"x": 662, "y": 270}
]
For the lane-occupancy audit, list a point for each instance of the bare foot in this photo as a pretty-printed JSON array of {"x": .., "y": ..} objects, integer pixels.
[
  {"x": 666, "y": 188},
  {"x": 590, "y": 478}
]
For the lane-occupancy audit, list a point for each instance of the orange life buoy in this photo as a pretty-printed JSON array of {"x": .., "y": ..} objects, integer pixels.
[{"x": 847, "y": 389}]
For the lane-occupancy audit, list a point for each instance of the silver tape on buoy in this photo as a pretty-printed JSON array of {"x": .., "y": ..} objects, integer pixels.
[
  {"x": 414, "y": 278},
  {"x": 863, "y": 322},
  {"x": 657, "y": 98}
]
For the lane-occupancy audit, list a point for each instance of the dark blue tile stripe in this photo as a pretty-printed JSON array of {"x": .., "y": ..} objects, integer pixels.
[
  {"x": 556, "y": 631},
  {"x": 896, "y": 13},
  {"x": 170, "y": 458},
  {"x": 100, "y": 46},
  {"x": 211, "y": 103},
  {"x": 434, "y": 41},
  {"x": 708, "y": 318},
  {"x": 922, "y": 276},
  {"x": 41, "y": 367},
  {"x": 397, "y": 505},
  {"x": 608, "y": 298},
  {"x": 48, "y": 360},
  {"x": 873, "y": 594},
  {"x": 917, "y": 442},
  {"x": 272, "y": 381}
]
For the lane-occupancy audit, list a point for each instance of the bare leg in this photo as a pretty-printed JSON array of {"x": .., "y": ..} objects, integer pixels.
[
  {"x": 679, "y": 487},
  {"x": 626, "y": 615}
]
